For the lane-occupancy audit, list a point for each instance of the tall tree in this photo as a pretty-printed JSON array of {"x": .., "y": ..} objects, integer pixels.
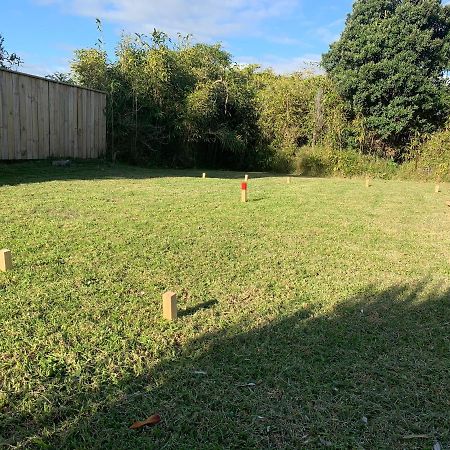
[{"x": 389, "y": 64}]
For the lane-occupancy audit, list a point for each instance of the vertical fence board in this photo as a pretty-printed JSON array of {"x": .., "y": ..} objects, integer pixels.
[
  {"x": 3, "y": 136},
  {"x": 23, "y": 119},
  {"x": 96, "y": 123},
  {"x": 85, "y": 124},
  {"x": 16, "y": 109},
  {"x": 45, "y": 121},
  {"x": 41, "y": 112},
  {"x": 104, "y": 119},
  {"x": 88, "y": 125},
  {"x": 64, "y": 135},
  {"x": 100, "y": 122},
  {"x": 35, "y": 109},
  {"x": 80, "y": 123},
  {"x": 9, "y": 115},
  {"x": 28, "y": 118},
  {"x": 51, "y": 118}
]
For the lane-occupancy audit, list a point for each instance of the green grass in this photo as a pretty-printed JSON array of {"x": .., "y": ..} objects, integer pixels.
[{"x": 333, "y": 299}]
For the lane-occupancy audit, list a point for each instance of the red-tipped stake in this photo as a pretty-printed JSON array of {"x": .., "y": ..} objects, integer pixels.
[
  {"x": 5, "y": 260},
  {"x": 244, "y": 192},
  {"x": 170, "y": 311}
]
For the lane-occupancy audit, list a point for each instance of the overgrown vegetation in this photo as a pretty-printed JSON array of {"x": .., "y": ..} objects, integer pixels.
[
  {"x": 315, "y": 316},
  {"x": 173, "y": 103}
]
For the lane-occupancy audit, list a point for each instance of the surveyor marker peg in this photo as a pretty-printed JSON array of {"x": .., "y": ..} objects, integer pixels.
[
  {"x": 204, "y": 175},
  {"x": 170, "y": 311},
  {"x": 437, "y": 189},
  {"x": 244, "y": 187},
  {"x": 246, "y": 177},
  {"x": 5, "y": 260}
]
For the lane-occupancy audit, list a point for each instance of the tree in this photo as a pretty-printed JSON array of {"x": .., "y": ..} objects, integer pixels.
[
  {"x": 8, "y": 60},
  {"x": 389, "y": 65}
]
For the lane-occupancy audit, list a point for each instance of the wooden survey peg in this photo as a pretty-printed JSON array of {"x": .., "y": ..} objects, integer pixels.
[
  {"x": 204, "y": 175},
  {"x": 288, "y": 180},
  {"x": 246, "y": 177},
  {"x": 437, "y": 189},
  {"x": 244, "y": 197},
  {"x": 170, "y": 311},
  {"x": 5, "y": 260}
]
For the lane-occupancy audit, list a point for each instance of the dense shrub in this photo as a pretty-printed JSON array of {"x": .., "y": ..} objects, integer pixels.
[
  {"x": 324, "y": 161},
  {"x": 431, "y": 161}
]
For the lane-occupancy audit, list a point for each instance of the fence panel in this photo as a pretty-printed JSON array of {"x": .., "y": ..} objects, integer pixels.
[{"x": 41, "y": 118}]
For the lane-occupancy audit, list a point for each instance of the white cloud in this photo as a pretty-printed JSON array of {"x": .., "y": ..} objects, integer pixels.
[
  {"x": 285, "y": 65},
  {"x": 204, "y": 18},
  {"x": 331, "y": 32},
  {"x": 38, "y": 66}
]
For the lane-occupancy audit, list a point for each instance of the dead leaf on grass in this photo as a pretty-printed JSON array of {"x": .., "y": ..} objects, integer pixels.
[{"x": 152, "y": 420}]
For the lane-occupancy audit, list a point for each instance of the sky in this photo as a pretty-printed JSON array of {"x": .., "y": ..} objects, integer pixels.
[{"x": 286, "y": 35}]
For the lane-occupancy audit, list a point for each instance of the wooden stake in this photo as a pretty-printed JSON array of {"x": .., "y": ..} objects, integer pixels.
[
  {"x": 204, "y": 175},
  {"x": 170, "y": 311},
  {"x": 246, "y": 177},
  {"x": 288, "y": 180},
  {"x": 437, "y": 189},
  {"x": 5, "y": 260},
  {"x": 244, "y": 192}
]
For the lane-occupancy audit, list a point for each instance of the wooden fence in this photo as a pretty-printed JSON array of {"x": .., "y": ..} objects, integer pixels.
[{"x": 41, "y": 118}]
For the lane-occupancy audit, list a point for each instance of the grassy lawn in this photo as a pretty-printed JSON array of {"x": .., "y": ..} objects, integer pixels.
[{"x": 316, "y": 315}]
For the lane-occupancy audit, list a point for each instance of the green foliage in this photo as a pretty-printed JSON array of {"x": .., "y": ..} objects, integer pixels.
[
  {"x": 90, "y": 68},
  {"x": 299, "y": 109},
  {"x": 8, "y": 60},
  {"x": 173, "y": 103},
  {"x": 389, "y": 65}
]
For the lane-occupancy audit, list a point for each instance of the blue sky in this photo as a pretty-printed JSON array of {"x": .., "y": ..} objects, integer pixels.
[{"x": 282, "y": 34}]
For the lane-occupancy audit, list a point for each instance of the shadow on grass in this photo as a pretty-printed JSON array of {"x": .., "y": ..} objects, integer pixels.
[
  {"x": 372, "y": 373},
  {"x": 41, "y": 171},
  {"x": 190, "y": 311}
]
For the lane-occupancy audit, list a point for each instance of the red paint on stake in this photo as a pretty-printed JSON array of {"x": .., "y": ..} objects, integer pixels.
[{"x": 244, "y": 192}]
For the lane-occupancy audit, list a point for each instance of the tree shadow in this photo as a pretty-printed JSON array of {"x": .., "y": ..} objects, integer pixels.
[
  {"x": 372, "y": 372},
  {"x": 41, "y": 171}
]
